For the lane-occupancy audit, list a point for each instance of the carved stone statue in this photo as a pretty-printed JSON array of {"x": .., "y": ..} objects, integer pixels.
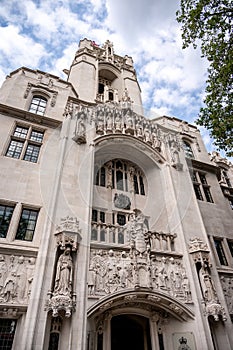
[{"x": 64, "y": 272}]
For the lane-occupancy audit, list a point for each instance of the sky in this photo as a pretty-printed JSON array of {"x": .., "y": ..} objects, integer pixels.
[{"x": 45, "y": 35}]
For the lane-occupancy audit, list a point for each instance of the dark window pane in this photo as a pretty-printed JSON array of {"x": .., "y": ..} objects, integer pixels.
[
  {"x": 198, "y": 192},
  {"x": 7, "y": 332},
  {"x": 94, "y": 215},
  {"x": 135, "y": 182},
  {"x": 27, "y": 225},
  {"x": 36, "y": 136},
  {"x": 32, "y": 153},
  {"x": 220, "y": 252},
  {"x": 230, "y": 245},
  {"x": 53, "y": 341},
  {"x": 203, "y": 179},
  {"x": 97, "y": 178},
  {"x": 102, "y": 216},
  {"x": 142, "y": 189},
  {"x": 121, "y": 220},
  {"x": 14, "y": 149},
  {"x": 208, "y": 194},
  {"x": 21, "y": 132},
  {"x": 5, "y": 218},
  {"x": 119, "y": 179},
  {"x": 102, "y": 177}
]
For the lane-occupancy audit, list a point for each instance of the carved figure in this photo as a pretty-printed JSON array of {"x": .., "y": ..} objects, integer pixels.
[
  {"x": 3, "y": 271},
  {"x": 63, "y": 280},
  {"x": 208, "y": 289}
]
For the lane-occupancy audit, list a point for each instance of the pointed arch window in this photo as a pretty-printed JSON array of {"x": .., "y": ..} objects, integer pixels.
[{"x": 121, "y": 175}]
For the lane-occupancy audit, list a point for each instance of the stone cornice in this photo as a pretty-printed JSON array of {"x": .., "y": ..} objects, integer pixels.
[{"x": 28, "y": 116}]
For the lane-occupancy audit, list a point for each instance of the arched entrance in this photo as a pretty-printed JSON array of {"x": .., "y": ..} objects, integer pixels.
[{"x": 130, "y": 332}]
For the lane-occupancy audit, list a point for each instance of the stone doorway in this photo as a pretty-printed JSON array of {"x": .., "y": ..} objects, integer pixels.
[{"x": 130, "y": 332}]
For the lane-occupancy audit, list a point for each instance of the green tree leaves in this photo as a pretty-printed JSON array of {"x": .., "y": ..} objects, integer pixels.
[{"x": 210, "y": 24}]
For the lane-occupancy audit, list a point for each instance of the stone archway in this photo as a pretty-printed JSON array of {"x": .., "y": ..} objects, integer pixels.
[{"x": 135, "y": 315}]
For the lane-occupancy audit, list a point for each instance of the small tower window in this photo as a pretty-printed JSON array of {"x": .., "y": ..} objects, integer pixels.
[
  {"x": 188, "y": 150},
  {"x": 101, "y": 88},
  {"x": 110, "y": 96},
  {"x": 38, "y": 105}
]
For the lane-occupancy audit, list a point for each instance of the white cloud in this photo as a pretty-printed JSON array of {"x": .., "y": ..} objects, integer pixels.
[{"x": 20, "y": 50}]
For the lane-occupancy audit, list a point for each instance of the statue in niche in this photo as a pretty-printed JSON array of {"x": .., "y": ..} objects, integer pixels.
[
  {"x": 109, "y": 121},
  {"x": 118, "y": 122},
  {"x": 207, "y": 286},
  {"x": 100, "y": 121},
  {"x": 156, "y": 143},
  {"x": 147, "y": 133},
  {"x": 139, "y": 129},
  {"x": 129, "y": 126},
  {"x": 81, "y": 125},
  {"x": 64, "y": 272}
]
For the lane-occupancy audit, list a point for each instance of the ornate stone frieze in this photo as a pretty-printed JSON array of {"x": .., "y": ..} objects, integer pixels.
[
  {"x": 16, "y": 276},
  {"x": 114, "y": 270}
]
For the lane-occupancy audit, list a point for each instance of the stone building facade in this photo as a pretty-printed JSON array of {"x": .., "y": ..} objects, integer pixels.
[{"x": 115, "y": 229}]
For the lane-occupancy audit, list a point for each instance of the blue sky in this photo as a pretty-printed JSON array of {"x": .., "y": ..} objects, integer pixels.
[{"x": 45, "y": 35}]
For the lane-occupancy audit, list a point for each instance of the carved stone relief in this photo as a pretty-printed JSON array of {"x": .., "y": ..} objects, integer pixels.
[
  {"x": 16, "y": 276},
  {"x": 227, "y": 286},
  {"x": 136, "y": 266}
]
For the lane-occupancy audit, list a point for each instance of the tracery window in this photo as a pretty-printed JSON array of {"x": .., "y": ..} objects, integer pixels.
[{"x": 121, "y": 175}]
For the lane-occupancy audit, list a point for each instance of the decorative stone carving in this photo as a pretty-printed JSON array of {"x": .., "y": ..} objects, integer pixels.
[
  {"x": 62, "y": 297},
  {"x": 29, "y": 86},
  {"x": 16, "y": 275},
  {"x": 174, "y": 148},
  {"x": 80, "y": 132},
  {"x": 227, "y": 286},
  {"x": 135, "y": 267},
  {"x": 200, "y": 254},
  {"x": 68, "y": 233},
  {"x": 121, "y": 201}
]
